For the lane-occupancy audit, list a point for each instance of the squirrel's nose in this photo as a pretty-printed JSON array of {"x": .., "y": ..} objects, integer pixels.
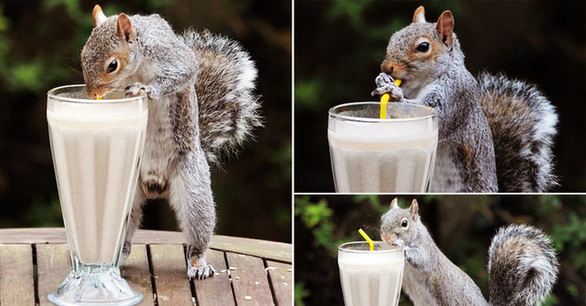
[{"x": 387, "y": 67}]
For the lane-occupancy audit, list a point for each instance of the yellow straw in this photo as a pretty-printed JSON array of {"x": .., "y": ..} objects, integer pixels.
[
  {"x": 367, "y": 239},
  {"x": 384, "y": 100},
  {"x": 99, "y": 98}
]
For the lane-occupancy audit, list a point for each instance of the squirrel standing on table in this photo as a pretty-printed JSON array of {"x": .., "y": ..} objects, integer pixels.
[
  {"x": 201, "y": 106},
  {"x": 495, "y": 134},
  {"x": 522, "y": 264}
]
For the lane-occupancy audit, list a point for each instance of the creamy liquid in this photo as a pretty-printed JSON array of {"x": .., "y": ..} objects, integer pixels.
[
  {"x": 401, "y": 161},
  {"x": 96, "y": 162},
  {"x": 371, "y": 278}
]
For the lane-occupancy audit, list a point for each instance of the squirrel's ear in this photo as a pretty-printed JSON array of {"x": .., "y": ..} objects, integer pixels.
[
  {"x": 98, "y": 16},
  {"x": 419, "y": 15},
  {"x": 394, "y": 204},
  {"x": 124, "y": 28},
  {"x": 414, "y": 209},
  {"x": 445, "y": 27}
]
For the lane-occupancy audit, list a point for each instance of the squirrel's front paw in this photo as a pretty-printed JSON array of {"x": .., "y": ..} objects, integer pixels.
[
  {"x": 385, "y": 84},
  {"x": 199, "y": 269},
  {"x": 137, "y": 89}
]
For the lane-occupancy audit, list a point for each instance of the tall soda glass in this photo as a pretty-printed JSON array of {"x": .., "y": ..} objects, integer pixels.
[{"x": 96, "y": 147}]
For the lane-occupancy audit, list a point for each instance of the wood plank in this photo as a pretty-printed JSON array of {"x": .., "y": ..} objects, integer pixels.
[
  {"x": 261, "y": 248},
  {"x": 16, "y": 275},
  {"x": 215, "y": 290},
  {"x": 281, "y": 277},
  {"x": 136, "y": 272},
  {"x": 249, "y": 279},
  {"x": 169, "y": 269},
  {"x": 52, "y": 268}
]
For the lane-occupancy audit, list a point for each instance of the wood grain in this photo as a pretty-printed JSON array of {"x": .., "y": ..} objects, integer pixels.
[
  {"x": 16, "y": 274},
  {"x": 281, "y": 277},
  {"x": 249, "y": 279},
  {"x": 169, "y": 269}
]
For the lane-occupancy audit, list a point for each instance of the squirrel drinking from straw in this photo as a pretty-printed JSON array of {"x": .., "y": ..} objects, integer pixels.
[
  {"x": 522, "y": 264},
  {"x": 201, "y": 106},
  {"x": 495, "y": 134}
]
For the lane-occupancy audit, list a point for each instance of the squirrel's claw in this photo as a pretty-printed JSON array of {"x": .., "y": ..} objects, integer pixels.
[
  {"x": 137, "y": 89},
  {"x": 199, "y": 269}
]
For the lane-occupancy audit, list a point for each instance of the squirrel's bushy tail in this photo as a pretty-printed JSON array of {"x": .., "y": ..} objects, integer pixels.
[
  {"x": 522, "y": 266},
  {"x": 228, "y": 108},
  {"x": 522, "y": 122}
]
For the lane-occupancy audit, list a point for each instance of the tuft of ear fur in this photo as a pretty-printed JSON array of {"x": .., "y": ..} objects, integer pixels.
[
  {"x": 124, "y": 28},
  {"x": 98, "y": 16},
  {"x": 445, "y": 27},
  {"x": 394, "y": 204},
  {"x": 419, "y": 15},
  {"x": 414, "y": 210}
]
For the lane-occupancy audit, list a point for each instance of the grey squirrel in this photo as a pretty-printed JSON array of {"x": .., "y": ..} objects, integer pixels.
[
  {"x": 495, "y": 134},
  {"x": 522, "y": 264},
  {"x": 201, "y": 106}
]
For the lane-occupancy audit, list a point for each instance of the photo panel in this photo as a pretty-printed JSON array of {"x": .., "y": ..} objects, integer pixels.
[{"x": 461, "y": 226}]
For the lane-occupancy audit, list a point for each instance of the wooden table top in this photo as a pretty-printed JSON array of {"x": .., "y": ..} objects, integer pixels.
[{"x": 34, "y": 261}]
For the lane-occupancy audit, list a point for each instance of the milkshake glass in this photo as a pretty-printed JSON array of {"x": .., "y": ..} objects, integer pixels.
[
  {"x": 373, "y": 155},
  {"x": 96, "y": 147},
  {"x": 371, "y": 278}
]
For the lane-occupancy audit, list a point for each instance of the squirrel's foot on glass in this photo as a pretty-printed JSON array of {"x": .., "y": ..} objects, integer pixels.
[{"x": 137, "y": 89}]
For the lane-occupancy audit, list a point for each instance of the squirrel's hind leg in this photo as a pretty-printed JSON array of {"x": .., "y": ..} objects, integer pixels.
[{"x": 191, "y": 198}]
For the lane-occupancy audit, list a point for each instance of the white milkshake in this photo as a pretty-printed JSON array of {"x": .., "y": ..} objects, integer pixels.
[
  {"x": 96, "y": 147},
  {"x": 95, "y": 153},
  {"x": 370, "y": 278},
  {"x": 382, "y": 155}
]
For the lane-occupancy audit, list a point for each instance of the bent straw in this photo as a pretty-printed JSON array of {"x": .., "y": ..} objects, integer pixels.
[
  {"x": 384, "y": 100},
  {"x": 367, "y": 239}
]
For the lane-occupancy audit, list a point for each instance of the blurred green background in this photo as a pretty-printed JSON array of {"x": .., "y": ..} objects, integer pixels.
[
  {"x": 461, "y": 225},
  {"x": 40, "y": 45},
  {"x": 339, "y": 46}
]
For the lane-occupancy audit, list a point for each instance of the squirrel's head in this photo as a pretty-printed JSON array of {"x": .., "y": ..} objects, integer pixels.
[
  {"x": 399, "y": 223},
  {"x": 415, "y": 53},
  {"x": 107, "y": 57}
]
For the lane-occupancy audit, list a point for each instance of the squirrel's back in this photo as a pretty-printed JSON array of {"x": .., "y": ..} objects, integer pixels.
[
  {"x": 228, "y": 107},
  {"x": 522, "y": 122},
  {"x": 522, "y": 266}
]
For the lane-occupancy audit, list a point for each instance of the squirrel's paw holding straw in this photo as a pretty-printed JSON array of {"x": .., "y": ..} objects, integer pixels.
[
  {"x": 137, "y": 89},
  {"x": 199, "y": 269},
  {"x": 386, "y": 84}
]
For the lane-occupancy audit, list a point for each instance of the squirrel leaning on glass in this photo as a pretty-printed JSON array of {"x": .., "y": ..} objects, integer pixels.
[
  {"x": 201, "y": 107},
  {"x": 495, "y": 134},
  {"x": 522, "y": 264}
]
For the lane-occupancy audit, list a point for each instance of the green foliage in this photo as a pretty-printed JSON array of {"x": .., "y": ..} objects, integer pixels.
[
  {"x": 316, "y": 217},
  {"x": 301, "y": 292}
]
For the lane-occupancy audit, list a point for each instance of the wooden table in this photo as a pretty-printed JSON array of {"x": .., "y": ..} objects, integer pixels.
[{"x": 34, "y": 261}]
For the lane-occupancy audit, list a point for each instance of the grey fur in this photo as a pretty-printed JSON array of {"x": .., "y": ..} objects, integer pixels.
[
  {"x": 202, "y": 106},
  {"x": 522, "y": 264},
  {"x": 483, "y": 146}
]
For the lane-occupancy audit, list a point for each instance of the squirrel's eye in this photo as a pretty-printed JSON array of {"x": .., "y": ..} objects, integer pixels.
[
  {"x": 404, "y": 223},
  {"x": 112, "y": 66},
  {"x": 423, "y": 47}
]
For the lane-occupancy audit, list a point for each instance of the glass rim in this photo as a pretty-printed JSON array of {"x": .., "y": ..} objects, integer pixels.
[
  {"x": 52, "y": 94},
  {"x": 392, "y": 249},
  {"x": 332, "y": 112}
]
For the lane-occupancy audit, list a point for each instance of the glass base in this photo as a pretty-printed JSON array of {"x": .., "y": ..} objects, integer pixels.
[{"x": 95, "y": 285}]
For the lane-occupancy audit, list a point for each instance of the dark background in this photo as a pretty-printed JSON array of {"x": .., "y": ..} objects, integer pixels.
[
  {"x": 461, "y": 225},
  {"x": 40, "y": 45},
  {"x": 339, "y": 46}
]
